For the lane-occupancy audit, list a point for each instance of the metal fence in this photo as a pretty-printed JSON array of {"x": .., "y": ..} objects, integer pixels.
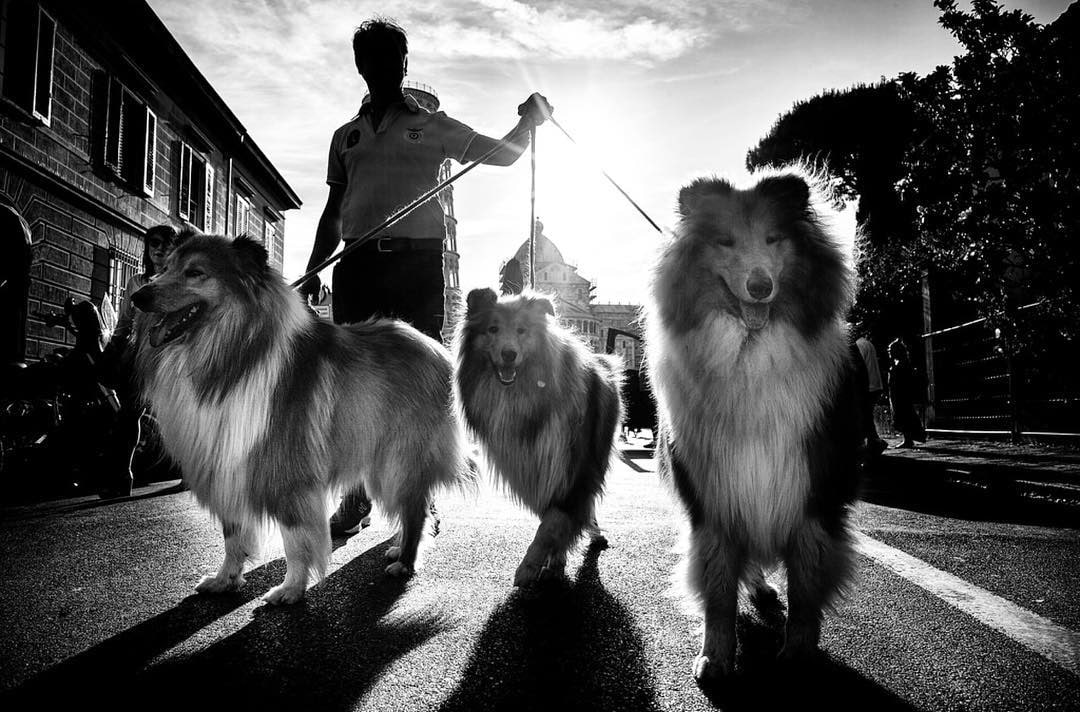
[{"x": 975, "y": 387}]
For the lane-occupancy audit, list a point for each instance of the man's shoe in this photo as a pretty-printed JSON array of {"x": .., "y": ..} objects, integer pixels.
[{"x": 353, "y": 515}]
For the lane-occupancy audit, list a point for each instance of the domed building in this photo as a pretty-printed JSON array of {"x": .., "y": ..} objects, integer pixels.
[{"x": 573, "y": 295}]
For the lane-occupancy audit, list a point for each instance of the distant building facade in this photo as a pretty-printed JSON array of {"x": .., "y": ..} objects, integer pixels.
[
  {"x": 108, "y": 128},
  {"x": 573, "y": 297}
]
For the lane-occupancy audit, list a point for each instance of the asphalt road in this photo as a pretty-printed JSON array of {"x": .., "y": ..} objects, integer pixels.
[{"x": 947, "y": 612}]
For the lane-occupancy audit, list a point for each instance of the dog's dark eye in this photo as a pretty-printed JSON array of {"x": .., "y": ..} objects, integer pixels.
[
  {"x": 725, "y": 241},
  {"x": 192, "y": 273},
  {"x": 493, "y": 329},
  {"x": 521, "y": 330},
  {"x": 774, "y": 237}
]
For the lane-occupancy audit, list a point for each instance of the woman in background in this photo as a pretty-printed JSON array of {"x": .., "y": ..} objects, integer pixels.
[{"x": 157, "y": 244}]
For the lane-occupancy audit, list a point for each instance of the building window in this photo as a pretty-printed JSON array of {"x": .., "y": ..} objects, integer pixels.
[
  {"x": 28, "y": 59},
  {"x": 125, "y": 134},
  {"x": 242, "y": 215},
  {"x": 270, "y": 239},
  {"x": 122, "y": 267},
  {"x": 195, "y": 192}
]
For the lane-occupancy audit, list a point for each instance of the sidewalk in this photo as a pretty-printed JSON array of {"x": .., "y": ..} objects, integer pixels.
[{"x": 1043, "y": 472}]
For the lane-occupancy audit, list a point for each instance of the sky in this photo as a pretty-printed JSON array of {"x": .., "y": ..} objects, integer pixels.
[{"x": 655, "y": 93}]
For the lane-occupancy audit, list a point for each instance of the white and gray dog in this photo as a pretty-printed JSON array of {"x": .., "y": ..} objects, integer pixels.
[
  {"x": 546, "y": 411},
  {"x": 269, "y": 410}
]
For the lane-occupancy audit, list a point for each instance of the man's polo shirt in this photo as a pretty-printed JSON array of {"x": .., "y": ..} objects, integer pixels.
[{"x": 384, "y": 169}]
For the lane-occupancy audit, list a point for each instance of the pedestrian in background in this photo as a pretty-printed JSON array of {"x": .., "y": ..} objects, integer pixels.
[
  {"x": 381, "y": 160},
  {"x": 157, "y": 243},
  {"x": 875, "y": 387},
  {"x": 903, "y": 396}
]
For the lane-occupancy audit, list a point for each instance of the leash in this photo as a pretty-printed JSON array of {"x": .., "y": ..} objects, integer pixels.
[
  {"x": 610, "y": 179},
  {"x": 396, "y": 217},
  {"x": 532, "y": 210}
]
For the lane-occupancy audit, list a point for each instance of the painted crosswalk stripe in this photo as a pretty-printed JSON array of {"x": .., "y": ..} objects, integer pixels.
[{"x": 1050, "y": 640}]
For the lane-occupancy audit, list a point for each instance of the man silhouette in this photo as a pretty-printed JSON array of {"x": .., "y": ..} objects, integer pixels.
[{"x": 382, "y": 159}]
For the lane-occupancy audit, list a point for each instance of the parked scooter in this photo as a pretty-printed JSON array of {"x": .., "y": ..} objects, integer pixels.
[{"x": 57, "y": 415}]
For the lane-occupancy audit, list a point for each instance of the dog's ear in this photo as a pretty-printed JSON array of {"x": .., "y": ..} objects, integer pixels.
[
  {"x": 251, "y": 253},
  {"x": 540, "y": 303},
  {"x": 691, "y": 196},
  {"x": 480, "y": 300},
  {"x": 789, "y": 189}
]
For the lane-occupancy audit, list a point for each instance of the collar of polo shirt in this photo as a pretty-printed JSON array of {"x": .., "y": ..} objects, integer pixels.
[{"x": 410, "y": 104}]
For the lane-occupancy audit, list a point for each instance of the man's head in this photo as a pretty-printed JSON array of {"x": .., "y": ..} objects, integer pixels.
[{"x": 381, "y": 50}]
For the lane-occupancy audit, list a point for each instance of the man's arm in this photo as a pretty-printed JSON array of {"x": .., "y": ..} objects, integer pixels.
[
  {"x": 534, "y": 111},
  {"x": 327, "y": 236},
  {"x": 518, "y": 140}
]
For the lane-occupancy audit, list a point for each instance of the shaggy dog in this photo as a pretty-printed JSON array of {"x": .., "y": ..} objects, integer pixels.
[
  {"x": 759, "y": 428},
  {"x": 545, "y": 410},
  {"x": 269, "y": 410}
]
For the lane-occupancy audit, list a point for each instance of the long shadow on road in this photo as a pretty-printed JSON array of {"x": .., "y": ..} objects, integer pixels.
[
  {"x": 322, "y": 653},
  {"x": 566, "y": 647},
  {"x": 761, "y": 681}
]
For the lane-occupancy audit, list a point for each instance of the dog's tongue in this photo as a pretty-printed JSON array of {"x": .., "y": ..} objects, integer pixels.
[
  {"x": 165, "y": 330},
  {"x": 157, "y": 332},
  {"x": 507, "y": 374},
  {"x": 754, "y": 314}
]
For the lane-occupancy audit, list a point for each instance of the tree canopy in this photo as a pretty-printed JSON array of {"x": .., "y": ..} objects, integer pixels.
[{"x": 967, "y": 173}]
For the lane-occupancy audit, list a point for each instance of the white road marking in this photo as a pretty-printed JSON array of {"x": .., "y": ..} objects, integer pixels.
[{"x": 1050, "y": 640}]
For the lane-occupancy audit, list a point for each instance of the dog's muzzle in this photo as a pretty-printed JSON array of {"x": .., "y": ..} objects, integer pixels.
[
  {"x": 172, "y": 325},
  {"x": 507, "y": 367},
  {"x": 754, "y": 314}
]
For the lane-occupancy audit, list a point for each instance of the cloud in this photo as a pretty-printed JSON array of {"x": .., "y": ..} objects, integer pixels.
[{"x": 285, "y": 68}]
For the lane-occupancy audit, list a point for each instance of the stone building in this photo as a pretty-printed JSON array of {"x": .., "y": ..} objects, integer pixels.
[
  {"x": 107, "y": 128},
  {"x": 573, "y": 301}
]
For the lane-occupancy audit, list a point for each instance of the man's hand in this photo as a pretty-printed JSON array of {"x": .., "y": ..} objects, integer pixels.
[
  {"x": 311, "y": 288},
  {"x": 536, "y": 109}
]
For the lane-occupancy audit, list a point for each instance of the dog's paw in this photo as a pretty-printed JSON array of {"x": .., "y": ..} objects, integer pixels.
[
  {"x": 798, "y": 649},
  {"x": 598, "y": 541},
  {"x": 706, "y": 670},
  {"x": 800, "y": 641},
  {"x": 398, "y": 570},
  {"x": 766, "y": 599},
  {"x": 283, "y": 595},
  {"x": 550, "y": 574},
  {"x": 220, "y": 584},
  {"x": 527, "y": 574},
  {"x": 393, "y": 553}
]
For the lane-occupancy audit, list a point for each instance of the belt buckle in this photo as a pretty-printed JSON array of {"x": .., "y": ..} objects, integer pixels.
[{"x": 379, "y": 245}]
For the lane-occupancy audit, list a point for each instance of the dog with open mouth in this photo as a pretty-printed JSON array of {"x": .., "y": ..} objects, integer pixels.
[
  {"x": 268, "y": 409},
  {"x": 751, "y": 367},
  {"x": 546, "y": 411}
]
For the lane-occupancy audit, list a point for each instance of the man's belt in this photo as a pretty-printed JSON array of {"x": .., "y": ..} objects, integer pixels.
[{"x": 401, "y": 244}]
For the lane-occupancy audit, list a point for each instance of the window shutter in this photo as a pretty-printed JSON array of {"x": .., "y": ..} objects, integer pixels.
[
  {"x": 132, "y": 139},
  {"x": 240, "y": 226},
  {"x": 114, "y": 129},
  {"x": 20, "y": 53},
  {"x": 197, "y": 190},
  {"x": 149, "y": 153},
  {"x": 208, "y": 204},
  {"x": 43, "y": 62},
  {"x": 184, "y": 192}
]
